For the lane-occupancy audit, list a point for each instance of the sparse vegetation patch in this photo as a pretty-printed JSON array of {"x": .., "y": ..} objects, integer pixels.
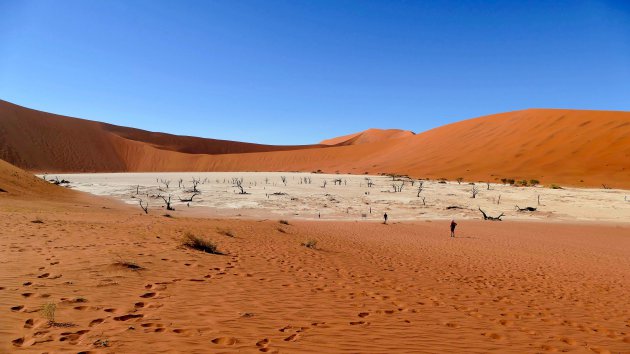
[{"x": 199, "y": 244}]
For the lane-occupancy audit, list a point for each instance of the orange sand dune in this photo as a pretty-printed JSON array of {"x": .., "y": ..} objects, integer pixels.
[
  {"x": 15, "y": 182},
  {"x": 582, "y": 148},
  {"x": 42, "y": 141},
  {"x": 368, "y": 136}
]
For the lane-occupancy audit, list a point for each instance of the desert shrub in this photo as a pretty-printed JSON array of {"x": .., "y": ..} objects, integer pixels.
[
  {"x": 534, "y": 182},
  {"x": 555, "y": 186},
  {"x": 460, "y": 180},
  {"x": 284, "y": 222},
  {"x": 312, "y": 244},
  {"x": 510, "y": 181},
  {"x": 523, "y": 183},
  {"x": 504, "y": 180},
  {"x": 199, "y": 244},
  {"x": 48, "y": 311}
]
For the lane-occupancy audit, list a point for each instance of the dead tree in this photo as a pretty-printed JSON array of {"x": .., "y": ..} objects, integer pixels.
[
  {"x": 167, "y": 202},
  {"x": 605, "y": 186},
  {"x": 459, "y": 180},
  {"x": 165, "y": 182},
  {"x": 195, "y": 183},
  {"x": 179, "y": 183},
  {"x": 145, "y": 208},
  {"x": 398, "y": 187},
  {"x": 474, "y": 191},
  {"x": 58, "y": 182},
  {"x": 137, "y": 189},
  {"x": 491, "y": 218},
  {"x": 239, "y": 185},
  {"x": 284, "y": 179},
  {"x": 423, "y": 199},
  {"x": 185, "y": 200},
  {"x": 488, "y": 184},
  {"x": 420, "y": 188},
  {"x": 499, "y": 200},
  {"x": 369, "y": 182},
  {"x": 337, "y": 180},
  {"x": 525, "y": 209}
]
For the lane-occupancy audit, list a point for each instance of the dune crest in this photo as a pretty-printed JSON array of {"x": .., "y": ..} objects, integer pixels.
[{"x": 368, "y": 136}]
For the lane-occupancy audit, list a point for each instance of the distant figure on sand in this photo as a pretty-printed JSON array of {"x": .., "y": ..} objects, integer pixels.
[
  {"x": 385, "y": 217},
  {"x": 453, "y": 225}
]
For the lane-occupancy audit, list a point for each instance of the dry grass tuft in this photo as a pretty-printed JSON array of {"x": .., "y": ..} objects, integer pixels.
[{"x": 199, "y": 244}]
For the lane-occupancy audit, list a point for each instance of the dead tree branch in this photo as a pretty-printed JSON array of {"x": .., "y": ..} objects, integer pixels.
[{"x": 491, "y": 218}]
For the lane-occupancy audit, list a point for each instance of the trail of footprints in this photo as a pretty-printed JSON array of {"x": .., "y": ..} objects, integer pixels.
[{"x": 42, "y": 332}]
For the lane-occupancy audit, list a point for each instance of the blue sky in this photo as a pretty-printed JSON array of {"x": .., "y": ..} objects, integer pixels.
[{"x": 296, "y": 72}]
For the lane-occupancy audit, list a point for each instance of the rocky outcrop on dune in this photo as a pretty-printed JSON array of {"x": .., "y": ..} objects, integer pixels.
[{"x": 575, "y": 147}]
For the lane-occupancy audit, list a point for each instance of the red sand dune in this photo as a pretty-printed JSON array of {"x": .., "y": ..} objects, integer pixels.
[
  {"x": 368, "y": 136},
  {"x": 573, "y": 147}
]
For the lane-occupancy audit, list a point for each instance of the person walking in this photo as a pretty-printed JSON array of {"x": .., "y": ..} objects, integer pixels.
[
  {"x": 453, "y": 225},
  {"x": 385, "y": 217}
]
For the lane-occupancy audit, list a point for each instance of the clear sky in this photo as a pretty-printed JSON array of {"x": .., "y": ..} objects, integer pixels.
[{"x": 296, "y": 72}]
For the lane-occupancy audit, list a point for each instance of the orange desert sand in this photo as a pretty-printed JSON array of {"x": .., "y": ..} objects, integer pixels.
[
  {"x": 121, "y": 281},
  {"x": 505, "y": 287}
]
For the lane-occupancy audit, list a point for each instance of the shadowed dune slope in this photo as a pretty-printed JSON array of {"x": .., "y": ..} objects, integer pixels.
[
  {"x": 574, "y": 147},
  {"x": 368, "y": 136},
  {"x": 41, "y": 141}
]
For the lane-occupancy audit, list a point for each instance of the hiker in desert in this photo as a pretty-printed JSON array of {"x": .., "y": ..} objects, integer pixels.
[
  {"x": 385, "y": 218},
  {"x": 453, "y": 225}
]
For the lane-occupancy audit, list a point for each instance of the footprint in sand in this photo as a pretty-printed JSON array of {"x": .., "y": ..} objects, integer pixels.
[
  {"x": 28, "y": 323},
  {"x": 17, "y": 308},
  {"x": 364, "y": 314},
  {"x": 96, "y": 322},
  {"x": 263, "y": 342},
  {"x": 45, "y": 275},
  {"x": 224, "y": 341},
  {"x": 148, "y": 295},
  {"x": 354, "y": 323},
  {"x": 127, "y": 317},
  {"x": 292, "y": 338},
  {"x": 18, "y": 342}
]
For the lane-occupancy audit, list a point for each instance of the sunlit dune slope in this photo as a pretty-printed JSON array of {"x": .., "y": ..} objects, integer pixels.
[
  {"x": 574, "y": 147},
  {"x": 15, "y": 182},
  {"x": 582, "y": 148},
  {"x": 368, "y": 136}
]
